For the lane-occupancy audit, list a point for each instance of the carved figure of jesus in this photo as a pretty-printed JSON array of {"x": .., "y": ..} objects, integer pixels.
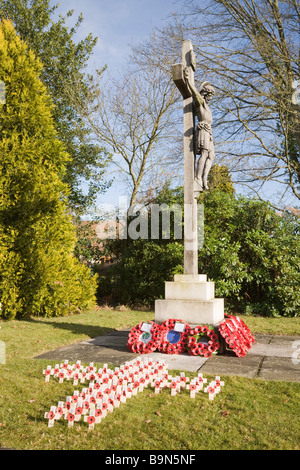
[{"x": 203, "y": 138}]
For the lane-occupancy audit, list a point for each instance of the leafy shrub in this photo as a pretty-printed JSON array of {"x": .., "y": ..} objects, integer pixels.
[
  {"x": 251, "y": 253},
  {"x": 140, "y": 275}
]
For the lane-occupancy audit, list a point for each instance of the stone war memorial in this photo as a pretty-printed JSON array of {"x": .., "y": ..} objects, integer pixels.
[
  {"x": 191, "y": 297},
  {"x": 190, "y": 318}
]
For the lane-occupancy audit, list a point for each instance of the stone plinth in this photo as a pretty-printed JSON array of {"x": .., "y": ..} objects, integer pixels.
[{"x": 190, "y": 298}]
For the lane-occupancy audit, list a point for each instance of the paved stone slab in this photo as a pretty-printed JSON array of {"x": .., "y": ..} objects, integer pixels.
[
  {"x": 110, "y": 348},
  {"x": 179, "y": 361},
  {"x": 270, "y": 350},
  {"x": 110, "y": 341},
  {"x": 278, "y": 368},
  {"x": 271, "y": 357},
  {"x": 274, "y": 346},
  {"x": 230, "y": 364},
  {"x": 262, "y": 339}
]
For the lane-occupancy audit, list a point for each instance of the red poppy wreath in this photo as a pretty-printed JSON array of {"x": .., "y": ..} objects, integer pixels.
[
  {"x": 173, "y": 336},
  {"x": 203, "y": 341},
  {"x": 144, "y": 338},
  {"x": 236, "y": 334}
]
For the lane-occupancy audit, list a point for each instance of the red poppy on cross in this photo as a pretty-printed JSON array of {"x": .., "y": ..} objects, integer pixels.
[
  {"x": 192, "y": 387},
  {"x": 90, "y": 419},
  {"x": 71, "y": 416},
  {"x": 47, "y": 373},
  {"x": 50, "y": 415}
]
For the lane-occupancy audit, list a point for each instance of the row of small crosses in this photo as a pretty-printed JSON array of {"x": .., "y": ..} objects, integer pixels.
[{"x": 108, "y": 388}]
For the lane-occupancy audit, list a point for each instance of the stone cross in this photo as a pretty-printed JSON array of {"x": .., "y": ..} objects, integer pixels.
[
  {"x": 190, "y": 197},
  {"x": 191, "y": 297}
]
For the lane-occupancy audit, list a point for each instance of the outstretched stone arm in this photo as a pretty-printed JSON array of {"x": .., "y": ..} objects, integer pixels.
[{"x": 196, "y": 95}]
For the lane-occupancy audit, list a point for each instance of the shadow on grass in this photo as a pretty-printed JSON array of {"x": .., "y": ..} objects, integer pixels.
[{"x": 76, "y": 328}]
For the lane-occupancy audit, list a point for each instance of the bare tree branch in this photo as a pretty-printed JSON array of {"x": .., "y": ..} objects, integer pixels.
[{"x": 249, "y": 50}]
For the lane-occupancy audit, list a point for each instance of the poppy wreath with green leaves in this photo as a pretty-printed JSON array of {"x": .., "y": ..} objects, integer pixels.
[
  {"x": 143, "y": 342},
  {"x": 196, "y": 347},
  {"x": 172, "y": 341}
]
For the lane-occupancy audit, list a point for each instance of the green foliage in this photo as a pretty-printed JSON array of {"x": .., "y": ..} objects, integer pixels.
[
  {"x": 38, "y": 273},
  {"x": 220, "y": 179},
  {"x": 89, "y": 248},
  {"x": 139, "y": 277},
  {"x": 143, "y": 265},
  {"x": 251, "y": 253},
  {"x": 64, "y": 62}
]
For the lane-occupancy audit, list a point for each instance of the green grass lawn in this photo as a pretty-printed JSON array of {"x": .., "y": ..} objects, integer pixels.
[{"x": 249, "y": 414}]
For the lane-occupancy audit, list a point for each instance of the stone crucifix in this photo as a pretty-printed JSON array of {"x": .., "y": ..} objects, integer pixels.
[{"x": 197, "y": 141}]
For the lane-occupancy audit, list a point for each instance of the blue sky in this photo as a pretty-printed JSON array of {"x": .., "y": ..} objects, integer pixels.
[{"x": 117, "y": 24}]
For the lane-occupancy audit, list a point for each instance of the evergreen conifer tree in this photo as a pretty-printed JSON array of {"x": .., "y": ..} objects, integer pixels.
[
  {"x": 38, "y": 273},
  {"x": 54, "y": 41}
]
